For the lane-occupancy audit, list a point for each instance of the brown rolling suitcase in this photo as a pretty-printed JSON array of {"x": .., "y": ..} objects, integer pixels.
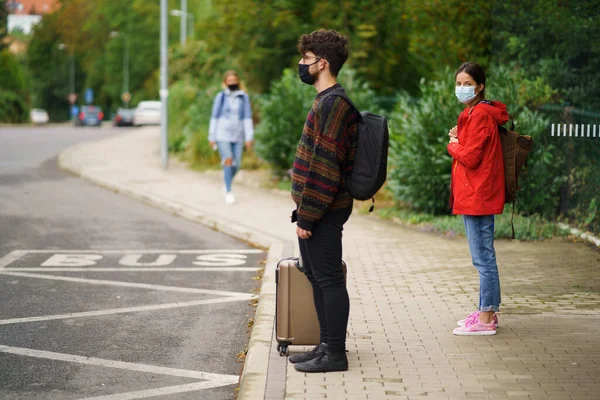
[{"x": 296, "y": 321}]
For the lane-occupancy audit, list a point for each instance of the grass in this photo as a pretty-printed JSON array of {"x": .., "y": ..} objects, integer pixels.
[
  {"x": 285, "y": 185},
  {"x": 526, "y": 228}
]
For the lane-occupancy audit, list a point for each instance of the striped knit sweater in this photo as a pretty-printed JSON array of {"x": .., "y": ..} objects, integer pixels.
[{"x": 327, "y": 147}]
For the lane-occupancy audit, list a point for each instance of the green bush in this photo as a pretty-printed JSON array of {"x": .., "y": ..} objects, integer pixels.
[
  {"x": 198, "y": 150},
  {"x": 13, "y": 78},
  {"x": 282, "y": 114},
  {"x": 13, "y": 94},
  {"x": 419, "y": 162},
  {"x": 284, "y": 109},
  {"x": 13, "y": 108},
  {"x": 181, "y": 96}
]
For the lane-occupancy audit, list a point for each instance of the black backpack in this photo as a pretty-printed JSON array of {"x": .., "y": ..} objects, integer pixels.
[{"x": 370, "y": 163}]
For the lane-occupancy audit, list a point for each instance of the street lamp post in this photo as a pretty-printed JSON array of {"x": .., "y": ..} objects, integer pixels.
[
  {"x": 72, "y": 95},
  {"x": 125, "y": 96},
  {"x": 183, "y": 21},
  {"x": 164, "y": 90}
]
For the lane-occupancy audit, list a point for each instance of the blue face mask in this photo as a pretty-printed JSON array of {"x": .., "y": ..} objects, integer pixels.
[{"x": 465, "y": 93}]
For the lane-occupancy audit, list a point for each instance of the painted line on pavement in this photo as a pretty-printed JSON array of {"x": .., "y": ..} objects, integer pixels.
[
  {"x": 142, "y": 394},
  {"x": 153, "y": 251},
  {"x": 99, "y": 362},
  {"x": 124, "y": 310},
  {"x": 135, "y": 269},
  {"x": 11, "y": 257},
  {"x": 126, "y": 284}
]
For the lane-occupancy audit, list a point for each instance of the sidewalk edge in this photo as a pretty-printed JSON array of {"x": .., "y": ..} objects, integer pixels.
[{"x": 254, "y": 375}]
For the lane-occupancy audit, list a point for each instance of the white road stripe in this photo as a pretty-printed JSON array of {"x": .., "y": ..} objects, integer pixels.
[
  {"x": 149, "y": 251},
  {"x": 125, "y": 284},
  {"x": 135, "y": 269},
  {"x": 99, "y": 362},
  {"x": 142, "y": 394},
  {"x": 11, "y": 257},
  {"x": 125, "y": 310}
]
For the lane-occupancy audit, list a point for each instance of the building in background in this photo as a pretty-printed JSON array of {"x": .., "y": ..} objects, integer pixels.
[
  {"x": 28, "y": 7},
  {"x": 25, "y": 14}
]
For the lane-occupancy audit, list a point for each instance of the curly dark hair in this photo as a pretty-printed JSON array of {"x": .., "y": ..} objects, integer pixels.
[{"x": 327, "y": 44}]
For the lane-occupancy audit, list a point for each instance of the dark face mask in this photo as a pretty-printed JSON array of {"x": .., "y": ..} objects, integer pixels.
[
  {"x": 304, "y": 75},
  {"x": 233, "y": 87}
]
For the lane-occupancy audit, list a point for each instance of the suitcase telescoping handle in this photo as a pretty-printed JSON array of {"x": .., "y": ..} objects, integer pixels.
[
  {"x": 297, "y": 264},
  {"x": 300, "y": 266}
]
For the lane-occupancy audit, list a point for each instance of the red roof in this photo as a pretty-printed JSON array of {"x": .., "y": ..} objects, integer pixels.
[{"x": 24, "y": 7}]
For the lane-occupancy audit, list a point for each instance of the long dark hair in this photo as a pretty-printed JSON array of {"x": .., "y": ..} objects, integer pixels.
[{"x": 476, "y": 71}]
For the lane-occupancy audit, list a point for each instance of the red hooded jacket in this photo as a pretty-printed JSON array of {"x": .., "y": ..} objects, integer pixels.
[{"x": 478, "y": 167}]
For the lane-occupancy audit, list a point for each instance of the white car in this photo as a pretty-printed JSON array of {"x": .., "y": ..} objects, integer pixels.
[
  {"x": 38, "y": 116},
  {"x": 147, "y": 113}
]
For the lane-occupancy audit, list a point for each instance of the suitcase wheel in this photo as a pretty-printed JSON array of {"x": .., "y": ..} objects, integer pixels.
[{"x": 283, "y": 350}]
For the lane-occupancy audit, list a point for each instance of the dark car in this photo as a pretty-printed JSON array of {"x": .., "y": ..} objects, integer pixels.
[
  {"x": 89, "y": 116},
  {"x": 124, "y": 117}
]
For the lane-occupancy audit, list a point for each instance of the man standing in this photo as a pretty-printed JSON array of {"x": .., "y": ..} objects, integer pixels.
[{"x": 325, "y": 154}]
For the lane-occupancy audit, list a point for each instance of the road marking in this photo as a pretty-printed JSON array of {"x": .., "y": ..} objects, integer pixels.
[
  {"x": 125, "y": 310},
  {"x": 99, "y": 362},
  {"x": 142, "y": 394},
  {"x": 125, "y": 284},
  {"x": 133, "y": 260},
  {"x": 71, "y": 260},
  {"x": 138, "y": 269},
  {"x": 154, "y": 251},
  {"x": 214, "y": 260},
  {"x": 11, "y": 257}
]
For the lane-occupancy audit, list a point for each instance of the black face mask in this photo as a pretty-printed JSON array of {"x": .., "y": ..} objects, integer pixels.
[
  {"x": 304, "y": 75},
  {"x": 233, "y": 87}
]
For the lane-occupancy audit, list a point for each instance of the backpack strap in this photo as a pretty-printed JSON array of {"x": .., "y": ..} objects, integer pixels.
[
  {"x": 343, "y": 95},
  {"x": 512, "y": 219},
  {"x": 221, "y": 103}
]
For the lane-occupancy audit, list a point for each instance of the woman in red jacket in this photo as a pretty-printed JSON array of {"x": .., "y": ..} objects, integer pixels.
[{"x": 478, "y": 189}]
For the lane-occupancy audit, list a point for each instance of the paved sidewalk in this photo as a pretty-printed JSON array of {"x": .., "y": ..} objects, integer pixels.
[{"x": 407, "y": 289}]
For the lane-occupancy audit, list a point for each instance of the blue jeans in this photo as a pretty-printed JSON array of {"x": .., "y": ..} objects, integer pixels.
[
  {"x": 480, "y": 234},
  {"x": 233, "y": 151}
]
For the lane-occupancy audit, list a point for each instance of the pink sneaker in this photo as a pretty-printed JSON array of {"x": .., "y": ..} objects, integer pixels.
[
  {"x": 474, "y": 317},
  {"x": 476, "y": 328}
]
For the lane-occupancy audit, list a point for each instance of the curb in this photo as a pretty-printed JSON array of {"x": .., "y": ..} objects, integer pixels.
[
  {"x": 583, "y": 235},
  {"x": 253, "y": 381}
]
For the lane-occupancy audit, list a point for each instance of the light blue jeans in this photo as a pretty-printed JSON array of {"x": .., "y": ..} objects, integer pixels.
[
  {"x": 480, "y": 234},
  {"x": 233, "y": 151}
]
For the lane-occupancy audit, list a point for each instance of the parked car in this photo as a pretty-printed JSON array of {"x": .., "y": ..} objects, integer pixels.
[
  {"x": 147, "y": 113},
  {"x": 38, "y": 116},
  {"x": 124, "y": 117},
  {"x": 89, "y": 116}
]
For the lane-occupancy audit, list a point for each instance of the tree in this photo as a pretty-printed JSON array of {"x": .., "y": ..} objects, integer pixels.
[
  {"x": 448, "y": 33},
  {"x": 261, "y": 37},
  {"x": 3, "y": 23}
]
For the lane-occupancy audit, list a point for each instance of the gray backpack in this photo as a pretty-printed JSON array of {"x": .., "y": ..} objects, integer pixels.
[{"x": 370, "y": 164}]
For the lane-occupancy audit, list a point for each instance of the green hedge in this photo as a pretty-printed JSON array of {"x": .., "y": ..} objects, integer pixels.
[
  {"x": 284, "y": 109},
  {"x": 13, "y": 108},
  {"x": 13, "y": 92}
]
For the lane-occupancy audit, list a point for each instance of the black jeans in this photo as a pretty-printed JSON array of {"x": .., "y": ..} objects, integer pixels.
[{"x": 322, "y": 259}]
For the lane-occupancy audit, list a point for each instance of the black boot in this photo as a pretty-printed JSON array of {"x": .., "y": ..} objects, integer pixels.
[
  {"x": 309, "y": 355},
  {"x": 328, "y": 362}
]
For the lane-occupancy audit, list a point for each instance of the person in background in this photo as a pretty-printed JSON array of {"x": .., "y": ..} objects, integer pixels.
[
  {"x": 230, "y": 128},
  {"x": 477, "y": 189}
]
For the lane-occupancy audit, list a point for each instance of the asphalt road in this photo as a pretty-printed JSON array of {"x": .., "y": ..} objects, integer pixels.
[{"x": 103, "y": 297}]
